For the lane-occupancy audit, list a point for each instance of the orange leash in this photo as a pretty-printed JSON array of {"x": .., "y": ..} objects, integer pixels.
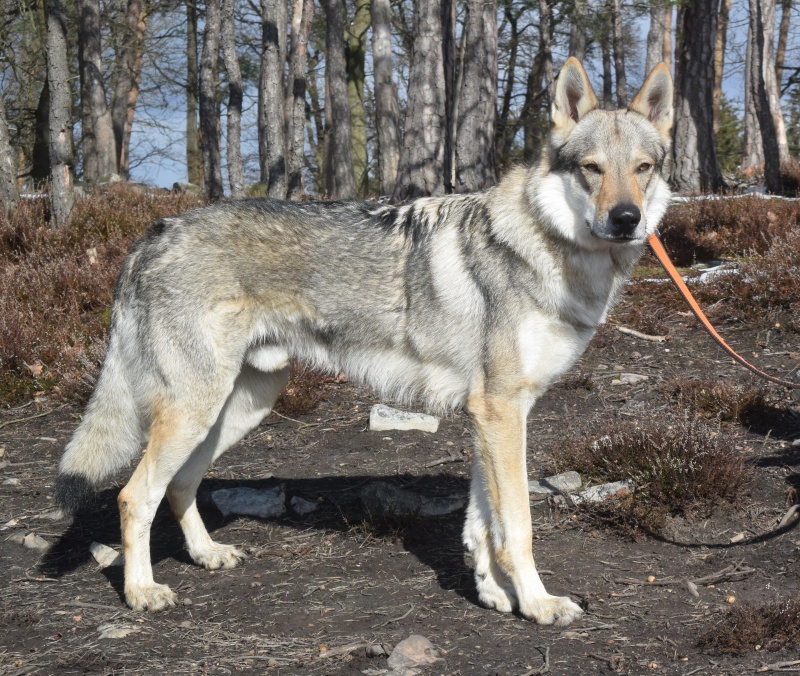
[{"x": 661, "y": 254}]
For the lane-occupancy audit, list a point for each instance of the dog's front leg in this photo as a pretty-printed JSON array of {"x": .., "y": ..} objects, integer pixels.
[{"x": 498, "y": 527}]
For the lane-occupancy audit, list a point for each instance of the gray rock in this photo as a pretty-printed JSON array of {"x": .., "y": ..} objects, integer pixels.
[
  {"x": 383, "y": 418},
  {"x": 117, "y": 630},
  {"x": 557, "y": 483},
  {"x": 104, "y": 555},
  {"x": 380, "y": 499},
  {"x": 629, "y": 379},
  {"x": 263, "y": 503},
  {"x": 597, "y": 493},
  {"x": 36, "y": 542},
  {"x": 414, "y": 651}
]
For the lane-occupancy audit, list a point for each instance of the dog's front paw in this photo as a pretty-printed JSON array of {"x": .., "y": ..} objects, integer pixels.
[
  {"x": 218, "y": 556},
  {"x": 493, "y": 595},
  {"x": 558, "y": 610},
  {"x": 153, "y": 597}
]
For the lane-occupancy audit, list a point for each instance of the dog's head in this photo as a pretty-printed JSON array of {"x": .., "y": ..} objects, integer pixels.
[{"x": 607, "y": 167}]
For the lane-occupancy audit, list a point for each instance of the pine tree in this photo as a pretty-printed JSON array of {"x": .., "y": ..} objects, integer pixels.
[{"x": 729, "y": 136}]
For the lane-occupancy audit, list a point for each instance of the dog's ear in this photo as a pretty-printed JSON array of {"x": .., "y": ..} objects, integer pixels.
[
  {"x": 654, "y": 99},
  {"x": 574, "y": 96}
]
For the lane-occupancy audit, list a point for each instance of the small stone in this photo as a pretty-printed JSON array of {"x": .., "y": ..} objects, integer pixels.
[
  {"x": 384, "y": 418},
  {"x": 36, "y": 542},
  {"x": 117, "y": 630},
  {"x": 186, "y": 602},
  {"x": 651, "y": 578},
  {"x": 597, "y": 493},
  {"x": 414, "y": 651},
  {"x": 730, "y": 599},
  {"x": 376, "y": 650},
  {"x": 557, "y": 483},
  {"x": 629, "y": 379},
  {"x": 105, "y": 556},
  {"x": 302, "y": 506},
  {"x": 11, "y": 482},
  {"x": 265, "y": 504},
  {"x": 737, "y": 538}
]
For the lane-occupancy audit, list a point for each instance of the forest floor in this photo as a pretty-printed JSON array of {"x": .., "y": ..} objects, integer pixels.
[{"x": 317, "y": 590}]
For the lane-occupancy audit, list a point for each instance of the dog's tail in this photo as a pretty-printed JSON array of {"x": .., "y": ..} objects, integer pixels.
[{"x": 107, "y": 438}]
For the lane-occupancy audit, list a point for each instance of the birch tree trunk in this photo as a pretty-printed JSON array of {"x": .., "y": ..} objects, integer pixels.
[
  {"x": 696, "y": 168},
  {"x": 656, "y": 33},
  {"x": 303, "y": 11},
  {"x": 9, "y": 192},
  {"x": 340, "y": 180},
  {"x": 209, "y": 111},
  {"x": 355, "y": 58},
  {"x": 475, "y": 142},
  {"x": 667, "y": 49},
  {"x": 271, "y": 137},
  {"x": 422, "y": 160},
  {"x": 60, "y": 118},
  {"x": 231, "y": 60},
  {"x": 577, "y": 30},
  {"x": 719, "y": 57},
  {"x": 768, "y": 67},
  {"x": 99, "y": 147},
  {"x": 783, "y": 37},
  {"x": 386, "y": 106},
  {"x": 619, "y": 53},
  {"x": 758, "y": 65},
  {"x": 752, "y": 149},
  {"x": 194, "y": 157},
  {"x": 126, "y": 81}
]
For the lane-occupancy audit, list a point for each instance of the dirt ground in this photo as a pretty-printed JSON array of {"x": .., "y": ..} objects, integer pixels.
[{"x": 316, "y": 590}]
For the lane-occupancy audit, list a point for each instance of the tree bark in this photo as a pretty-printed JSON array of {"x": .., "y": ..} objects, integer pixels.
[
  {"x": 577, "y": 30},
  {"x": 99, "y": 147},
  {"x": 667, "y": 48},
  {"x": 386, "y": 106},
  {"x": 759, "y": 64},
  {"x": 9, "y": 192},
  {"x": 783, "y": 37},
  {"x": 355, "y": 58},
  {"x": 719, "y": 57},
  {"x": 340, "y": 180},
  {"x": 752, "y": 149},
  {"x": 422, "y": 158},
  {"x": 126, "y": 81},
  {"x": 619, "y": 53},
  {"x": 40, "y": 157},
  {"x": 231, "y": 60},
  {"x": 475, "y": 142},
  {"x": 605, "y": 47},
  {"x": 546, "y": 47},
  {"x": 303, "y": 11},
  {"x": 60, "y": 117},
  {"x": 505, "y": 129},
  {"x": 194, "y": 157},
  {"x": 696, "y": 168},
  {"x": 656, "y": 34},
  {"x": 271, "y": 105},
  {"x": 209, "y": 111},
  {"x": 452, "y": 73},
  {"x": 768, "y": 67}
]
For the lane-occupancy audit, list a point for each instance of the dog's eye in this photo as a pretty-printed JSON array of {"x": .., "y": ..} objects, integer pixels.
[
  {"x": 592, "y": 167},
  {"x": 644, "y": 166}
]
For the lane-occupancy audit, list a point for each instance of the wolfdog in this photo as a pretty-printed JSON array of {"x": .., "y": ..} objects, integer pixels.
[{"x": 478, "y": 301}]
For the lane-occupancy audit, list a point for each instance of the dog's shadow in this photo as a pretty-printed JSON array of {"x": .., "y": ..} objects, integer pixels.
[{"x": 435, "y": 541}]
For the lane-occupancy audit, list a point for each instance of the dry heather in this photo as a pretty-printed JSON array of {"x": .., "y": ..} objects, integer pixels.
[
  {"x": 57, "y": 285},
  {"x": 714, "y": 398}
]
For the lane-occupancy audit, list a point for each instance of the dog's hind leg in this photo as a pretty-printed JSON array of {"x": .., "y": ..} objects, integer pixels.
[
  {"x": 499, "y": 520},
  {"x": 253, "y": 396}
]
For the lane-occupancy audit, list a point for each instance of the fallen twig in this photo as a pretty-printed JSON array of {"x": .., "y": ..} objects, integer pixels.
[
  {"x": 781, "y": 666},
  {"x": 453, "y": 457},
  {"x": 730, "y": 571},
  {"x": 395, "y": 619},
  {"x": 20, "y": 420},
  {"x": 642, "y": 336},
  {"x": 545, "y": 667},
  {"x": 341, "y": 650},
  {"x": 790, "y": 516}
]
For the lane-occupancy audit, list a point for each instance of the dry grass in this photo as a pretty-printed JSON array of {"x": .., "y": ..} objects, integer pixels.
[
  {"x": 726, "y": 401},
  {"x": 57, "y": 287},
  {"x": 679, "y": 466},
  {"x": 773, "y": 626}
]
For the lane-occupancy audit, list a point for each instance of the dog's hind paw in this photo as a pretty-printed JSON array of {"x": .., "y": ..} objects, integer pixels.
[
  {"x": 219, "y": 556},
  {"x": 558, "y": 610},
  {"x": 153, "y": 597}
]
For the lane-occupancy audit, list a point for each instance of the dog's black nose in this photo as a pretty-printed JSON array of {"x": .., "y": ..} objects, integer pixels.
[{"x": 624, "y": 219}]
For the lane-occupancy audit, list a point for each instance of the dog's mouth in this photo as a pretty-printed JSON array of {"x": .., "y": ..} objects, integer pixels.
[{"x": 611, "y": 237}]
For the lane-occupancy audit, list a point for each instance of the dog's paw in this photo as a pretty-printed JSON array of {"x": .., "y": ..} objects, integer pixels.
[
  {"x": 558, "y": 610},
  {"x": 219, "y": 556},
  {"x": 494, "y": 596},
  {"x": 153, "y": 597}
]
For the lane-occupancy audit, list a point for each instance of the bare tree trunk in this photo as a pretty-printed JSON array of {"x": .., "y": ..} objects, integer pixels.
[
  {"x": 696, "y": 168},
  {"x": 769, "y": 68},
  {"x": 577, "y": 30},
  {"x": 9, "y": 192},
  {"x": 422, "y": 161},
  {"x": 303, "y": 11},
  {"x": 546, "y": 47},
  {"x": 194, "y": 158},
  {"x": 505, "y": 130},
  {"x": 126, "y": 81},
  {"x": 40, "y": 157},
  {"x": 99, "y": 147},
  {"x": 656, "y": 34},
  {"x": 619, "y": 53},
  {"x": 271, "y": 105},
  {"x": 355, "y": 58},
  {"x": 608, "y": 84},
  {"x": 60, "y": 118},
  {"x": 209, "y": 111},
  {"x": 758, "y": 65},
  {"x": 452, "y": 88},
  {"x": 234, "y": 145},
  {"x": 752, "y": 149},
  {"x": 719, "y": 57},
  {"x": 475, "y": 142},
  {"x": 339, "y": 173},
  {"x": 667, "y": 47},
  {"x": 783, "y": 37},
  {"x": 386, "y": 106},
  {"x": 531, "y": 110}
]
